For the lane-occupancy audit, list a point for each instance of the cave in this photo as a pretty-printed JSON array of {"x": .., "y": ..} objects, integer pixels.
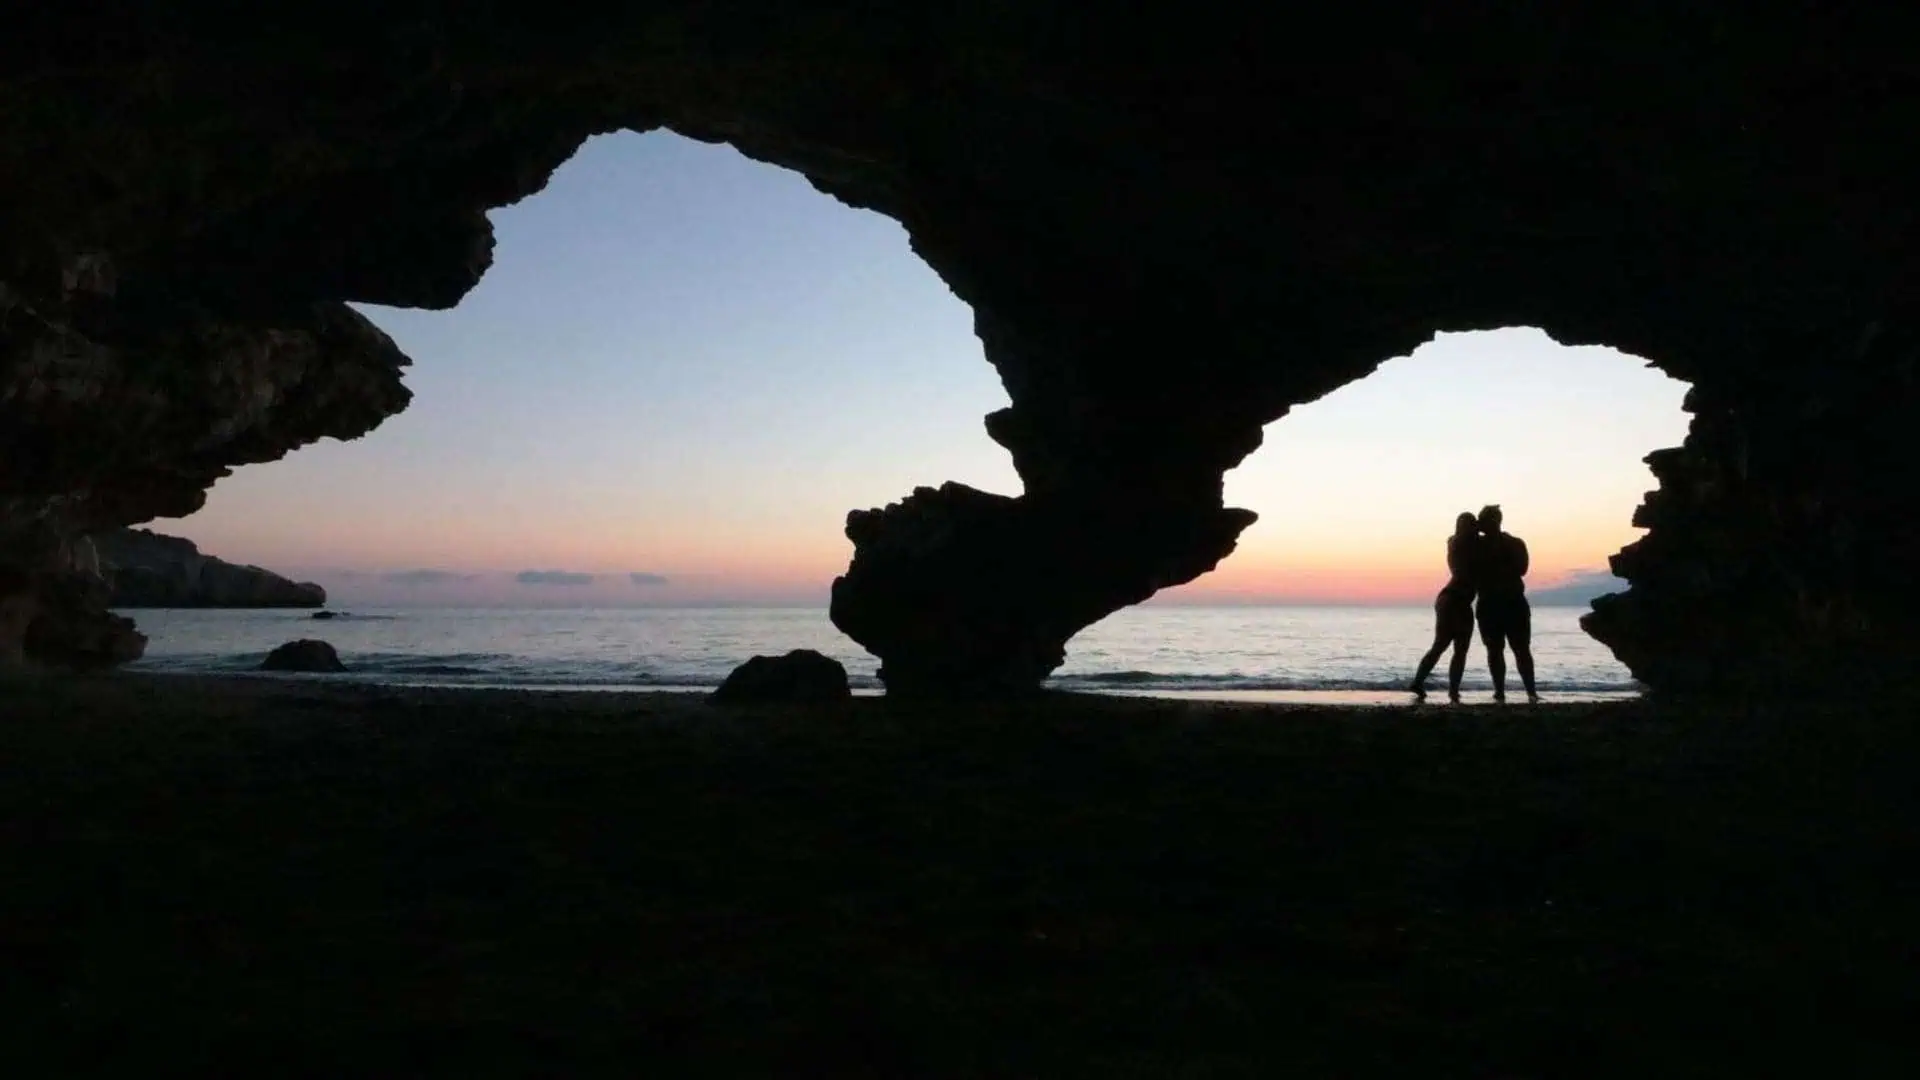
[
  {"x": 1357, "y": 491},
  {"x": 681, "y": 361},
  {"x": 1172, "y": 227}
]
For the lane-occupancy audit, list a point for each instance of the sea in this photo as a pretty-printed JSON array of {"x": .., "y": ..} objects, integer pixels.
[{"x": 1324, "y": 655}]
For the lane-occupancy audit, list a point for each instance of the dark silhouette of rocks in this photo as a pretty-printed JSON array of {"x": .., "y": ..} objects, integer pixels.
[
  {"x": 306, "y": 654},
  {"x": 801, "y": 677},
  {"x": 965, "y": 593},
  {"x": 55, "y": 614},
  {"x": 1782, "y": 550},
  {"x": 74, "y": 630},
  {"x": 1172, "y": 227},
  {"x": 326, "y": 614},
  {"x": 149, "y": 570}
]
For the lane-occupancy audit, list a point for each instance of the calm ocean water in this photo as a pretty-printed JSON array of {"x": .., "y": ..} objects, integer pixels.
[{"x": 1358, "y": 655}]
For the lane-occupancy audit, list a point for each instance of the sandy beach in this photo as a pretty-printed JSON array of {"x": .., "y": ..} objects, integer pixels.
[{"x": 343, "y": 880}]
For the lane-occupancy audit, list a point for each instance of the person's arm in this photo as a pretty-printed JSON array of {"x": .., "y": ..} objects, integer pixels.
[{"x": 1520, "y": 555}]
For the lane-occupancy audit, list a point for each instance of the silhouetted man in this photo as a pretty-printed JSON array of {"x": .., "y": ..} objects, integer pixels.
[{"x": 1505, "y": 617}]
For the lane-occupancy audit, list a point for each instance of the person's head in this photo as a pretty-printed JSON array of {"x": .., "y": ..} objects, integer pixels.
[
  {"x": 1490, "y": 518},
  {"x": 1465, "y": 524}
]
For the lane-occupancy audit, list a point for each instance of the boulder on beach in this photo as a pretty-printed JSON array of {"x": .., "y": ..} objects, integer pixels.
[
  {"x": 802, "y": 677},
  {"x": 71, "y": 630},
  {"x": 303, "y": 655}
]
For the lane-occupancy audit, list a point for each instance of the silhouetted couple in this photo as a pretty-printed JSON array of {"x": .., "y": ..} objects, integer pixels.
[{"x": 1492, "y": 565}]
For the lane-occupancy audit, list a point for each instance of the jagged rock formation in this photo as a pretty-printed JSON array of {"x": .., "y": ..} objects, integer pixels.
[
  {"x": 965, "y": 593},
  {"x": 1782, "y": 542},
  {"x": 148, "y": 570},
  {"x": 124, "y": 402},
  {"x": 1173, "y": 223}
]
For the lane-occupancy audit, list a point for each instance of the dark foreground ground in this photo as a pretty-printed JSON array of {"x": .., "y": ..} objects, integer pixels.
[{"x": 305, "y": 879}]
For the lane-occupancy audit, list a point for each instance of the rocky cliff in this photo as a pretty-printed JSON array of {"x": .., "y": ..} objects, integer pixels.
[
  {"x": 147, "y": 570},
  {"x": 1783, "y": 544},
  {"x": 1174, "y": 222}
]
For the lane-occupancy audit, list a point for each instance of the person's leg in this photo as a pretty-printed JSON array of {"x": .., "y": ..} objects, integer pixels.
[
  {"x": 1492, "y": 637},
  {"x": 1441, "y": 635},
  {"x": 1426, "y": 667},
  {"x": 1457, "y": 667},
  {"x": 1520, "y": 635}
]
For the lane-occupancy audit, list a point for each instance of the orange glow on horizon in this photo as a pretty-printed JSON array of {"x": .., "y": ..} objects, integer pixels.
[
  {"x": 1246, "y": 578},
  {"x": 1250, "y": 583}
]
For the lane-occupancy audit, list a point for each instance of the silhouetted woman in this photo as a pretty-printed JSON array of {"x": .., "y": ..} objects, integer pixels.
[{"x": 1453, "y": 610}]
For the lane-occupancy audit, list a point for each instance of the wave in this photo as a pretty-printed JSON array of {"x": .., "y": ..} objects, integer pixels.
[
  {"x": 490, "y": 670},
  {"x": 1152, "y": 680},
  {"x": 506, "y": 670},
  {"x": 432, "y": 664},
  {"x": 436, "y": 669}
]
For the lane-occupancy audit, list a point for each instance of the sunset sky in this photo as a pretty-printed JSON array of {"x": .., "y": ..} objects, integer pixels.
[{"x": 686, "y": 367}]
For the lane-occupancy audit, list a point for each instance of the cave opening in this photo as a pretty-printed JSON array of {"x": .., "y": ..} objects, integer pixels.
[
  {"x": 683, "y": 362},
  {"x": 682, "y": 371},
  {"x": 1357, "y": 492},
  {"x": 1163, "y": 252}
]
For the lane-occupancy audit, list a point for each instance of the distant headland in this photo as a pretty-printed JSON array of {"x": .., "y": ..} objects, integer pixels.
[{"x": 146, "y": 569}]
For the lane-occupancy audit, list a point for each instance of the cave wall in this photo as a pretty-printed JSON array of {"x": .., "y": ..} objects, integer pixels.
[
  {"x": 1173, "y": 223},
  {"x": 118, "y": 408},
  {"x": 1782, "y": 542}
]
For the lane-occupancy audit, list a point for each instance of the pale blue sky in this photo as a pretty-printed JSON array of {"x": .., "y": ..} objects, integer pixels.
[{"x": 689, "y": 364}]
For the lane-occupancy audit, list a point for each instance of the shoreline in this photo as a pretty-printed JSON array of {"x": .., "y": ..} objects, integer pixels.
[
  {"x": 131, "y": 691},
  {"x": 1329, "y": 697}
]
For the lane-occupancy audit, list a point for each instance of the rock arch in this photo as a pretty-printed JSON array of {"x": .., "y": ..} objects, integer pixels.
[{"x": 1173, "y": 225}]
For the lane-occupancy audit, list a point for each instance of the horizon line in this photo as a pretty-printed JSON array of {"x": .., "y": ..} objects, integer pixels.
[{"x": 798, "y": 605}]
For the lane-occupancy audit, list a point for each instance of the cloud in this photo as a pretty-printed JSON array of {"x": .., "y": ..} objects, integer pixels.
[
  {"x": 552, "y": 577},
  {"x": 642, "y": 578},
  {"x": 424, "y": 577}
]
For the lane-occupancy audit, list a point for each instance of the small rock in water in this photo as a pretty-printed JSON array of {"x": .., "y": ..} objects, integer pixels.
[
  {"x": 303, "y": 655},
  {"x": 802, "y": 677},
  {"x": 328, "y": 614}
]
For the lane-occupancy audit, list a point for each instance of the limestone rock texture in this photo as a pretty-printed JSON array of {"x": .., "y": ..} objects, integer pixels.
[
  {"x": 146, "y": 569},
  {"x": 116, "y": 408},
  {"x": 1174, "y": 222}
]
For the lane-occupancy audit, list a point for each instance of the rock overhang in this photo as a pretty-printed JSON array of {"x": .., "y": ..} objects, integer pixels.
[{"x": 1173, "y": 225}]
